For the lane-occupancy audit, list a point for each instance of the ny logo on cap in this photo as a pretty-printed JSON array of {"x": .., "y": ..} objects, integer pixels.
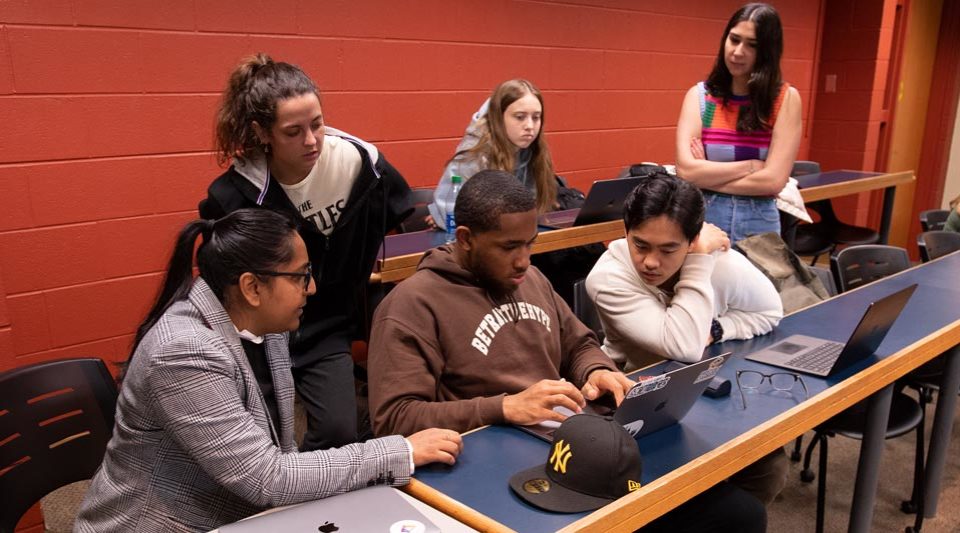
[{"x": 561, "y": 454}]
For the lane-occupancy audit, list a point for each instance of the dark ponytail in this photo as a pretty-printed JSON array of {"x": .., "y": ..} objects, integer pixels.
[
  {"x": 252, "y": 93},
  {"x": 246, "y": 240}
]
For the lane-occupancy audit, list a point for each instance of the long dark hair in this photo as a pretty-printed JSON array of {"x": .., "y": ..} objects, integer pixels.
[
  {"x": 765, "y": 80},
  {"x": 246, "y": 240},
  {"x": 500, "y": 154},
  {"x": 252, "y": 93}
]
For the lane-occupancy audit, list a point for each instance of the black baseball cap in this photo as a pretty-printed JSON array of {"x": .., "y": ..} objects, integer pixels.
[{"x": 592, "y": 462}]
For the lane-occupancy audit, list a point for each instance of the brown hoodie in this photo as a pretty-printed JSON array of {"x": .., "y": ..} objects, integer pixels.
[{"x": 442, "y": 354}]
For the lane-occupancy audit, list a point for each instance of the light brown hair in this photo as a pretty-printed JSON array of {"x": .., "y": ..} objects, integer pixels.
[
  {"x": 252, "y": 93},
  {"x": 495, "y": 149}
]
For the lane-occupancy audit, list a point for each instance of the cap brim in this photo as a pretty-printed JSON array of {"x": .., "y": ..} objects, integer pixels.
[{"x": 556, "y": 498}]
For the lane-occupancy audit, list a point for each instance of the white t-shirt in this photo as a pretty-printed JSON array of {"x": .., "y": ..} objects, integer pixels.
[{"x": 321, "y": 197}]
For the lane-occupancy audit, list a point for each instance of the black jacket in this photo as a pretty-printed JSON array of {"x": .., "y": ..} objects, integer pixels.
[{"x": 342, "y": 262}]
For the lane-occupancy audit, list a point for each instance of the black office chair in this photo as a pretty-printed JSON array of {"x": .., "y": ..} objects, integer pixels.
[
  {"x": 421, "y": 198},
  {"x": 831, "y": 230},
  {"x": 806, "y": 241},
  {"x": 851, "y": 268},
  {"x": 934, "y": 244},
  {"x": 55, "y": 421},
  {"x": 859, "y": 265},
  {"x": 585, "y": 310},
  {"x": 905, "y": 415},
  {"x": 933, "y": 219}
]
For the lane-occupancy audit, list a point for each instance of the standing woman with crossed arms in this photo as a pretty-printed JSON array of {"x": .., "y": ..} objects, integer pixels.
[
  {"x": 739, "y": 131},
  {"x": 270, "y": 125}
]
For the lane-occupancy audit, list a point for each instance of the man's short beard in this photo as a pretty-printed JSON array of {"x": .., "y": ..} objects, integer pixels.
[{"x": 497, "y": 291}]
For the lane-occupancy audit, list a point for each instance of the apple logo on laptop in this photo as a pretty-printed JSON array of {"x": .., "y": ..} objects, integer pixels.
[{"x": 328, "y": 527}]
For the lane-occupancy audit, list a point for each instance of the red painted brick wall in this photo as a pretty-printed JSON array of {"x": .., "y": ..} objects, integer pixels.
[
  {"x": 857, "y": 39},
  {"x": 107, "y": 107},
  {"x": 108, "y": 110}
]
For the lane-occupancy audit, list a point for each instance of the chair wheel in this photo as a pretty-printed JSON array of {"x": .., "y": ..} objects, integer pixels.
[
  {"x": 807, "y": 475},
  {"x": 795, "y": 456},
  {"x": 908, "y": 507}
]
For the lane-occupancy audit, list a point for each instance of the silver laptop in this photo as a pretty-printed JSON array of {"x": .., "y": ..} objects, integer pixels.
[
  {"x": 604, "y": 202},
  {"x": 378, "y": 508},
  {"x": 654, "y": 403},
  {"x": 821, "y": 357}
]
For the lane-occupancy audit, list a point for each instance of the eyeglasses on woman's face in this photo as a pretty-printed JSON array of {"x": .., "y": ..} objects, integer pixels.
[{"x": 304, "y": 276}]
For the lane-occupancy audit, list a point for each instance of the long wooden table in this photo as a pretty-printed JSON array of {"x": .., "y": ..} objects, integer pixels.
[
  {"x": 716, "y": 439},
  {"x": 403, "y": 252},
  {"x": 836, "y": 183}
]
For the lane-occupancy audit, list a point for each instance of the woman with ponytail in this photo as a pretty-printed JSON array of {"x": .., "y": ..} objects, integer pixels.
[
  {"x": 204, "y": 421},
  {"x": 270, "y": 129},
  {"x": 739, "y": 131}
]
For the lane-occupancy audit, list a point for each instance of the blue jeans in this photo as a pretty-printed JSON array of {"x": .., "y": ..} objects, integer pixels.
[{"x": 742, "y": 216}]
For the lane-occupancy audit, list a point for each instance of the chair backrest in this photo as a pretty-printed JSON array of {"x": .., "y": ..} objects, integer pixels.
[
  {"x": 585, "y": 310},
  {"x": 802, "y": 168},
  {"x": 55, "y": 421},
  {"x": 420, "y": 198},
  {"x": 933, "y": 219},
  {"x": 934, "y": 244},
  {"x": 859, "y": 265}
]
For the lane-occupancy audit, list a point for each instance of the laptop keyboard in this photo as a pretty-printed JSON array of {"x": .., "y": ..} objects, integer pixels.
[{"x": 818, "y": 360}]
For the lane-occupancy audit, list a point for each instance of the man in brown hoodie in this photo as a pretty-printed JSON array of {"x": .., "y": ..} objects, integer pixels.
[{"x": 479, "y": 337}]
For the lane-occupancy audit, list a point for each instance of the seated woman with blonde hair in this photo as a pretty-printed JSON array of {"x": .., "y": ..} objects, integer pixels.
[{"x": 506, "y": 133}]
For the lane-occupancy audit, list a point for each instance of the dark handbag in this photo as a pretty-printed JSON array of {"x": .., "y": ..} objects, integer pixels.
[
  {"x": 565, "y": 267},
  {"x": 568, "y": 197},
  {"x": 645, "y": 170}
]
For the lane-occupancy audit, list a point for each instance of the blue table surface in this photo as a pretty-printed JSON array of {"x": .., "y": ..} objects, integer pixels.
[
  {"x": 831, "y": 177},
  {"x": 492, "y": 455},
  {"x": 419, "y": 241}
]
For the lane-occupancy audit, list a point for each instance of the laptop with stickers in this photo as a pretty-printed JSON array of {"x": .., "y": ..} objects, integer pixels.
[
  {"x": 652, "y": 404},
  {"x": 346, "y": 512}
]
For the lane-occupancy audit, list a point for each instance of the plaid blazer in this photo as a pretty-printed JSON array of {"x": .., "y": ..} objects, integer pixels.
[{"x": 193, "y": 447}]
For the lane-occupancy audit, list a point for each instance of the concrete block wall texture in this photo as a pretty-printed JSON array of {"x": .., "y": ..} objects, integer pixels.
[
  {"x": 109, "y": 109},
  {"x": 108, "y": 106}
]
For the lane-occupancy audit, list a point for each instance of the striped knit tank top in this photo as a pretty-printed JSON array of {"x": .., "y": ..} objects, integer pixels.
[{"x": 721, "y": 140}]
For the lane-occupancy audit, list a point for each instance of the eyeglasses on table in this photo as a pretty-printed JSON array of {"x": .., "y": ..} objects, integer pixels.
[{"x": 780, "y": 381}]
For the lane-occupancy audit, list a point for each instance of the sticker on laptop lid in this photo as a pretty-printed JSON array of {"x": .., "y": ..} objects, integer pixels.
[
  {"x": 711, "y": 370},
  {"x": 408, "y": 526},
  {"x": 654, "y": 383}
]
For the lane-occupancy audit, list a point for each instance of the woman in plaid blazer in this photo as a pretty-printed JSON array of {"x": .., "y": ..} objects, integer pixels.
[{"x": 204, "y": 422}]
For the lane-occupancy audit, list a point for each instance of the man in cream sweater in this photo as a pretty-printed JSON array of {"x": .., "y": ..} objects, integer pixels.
[{"x": 672, "y": 287}]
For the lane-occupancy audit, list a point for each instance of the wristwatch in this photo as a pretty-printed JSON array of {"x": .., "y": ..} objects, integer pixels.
[{"x": 716, "y": 330}]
